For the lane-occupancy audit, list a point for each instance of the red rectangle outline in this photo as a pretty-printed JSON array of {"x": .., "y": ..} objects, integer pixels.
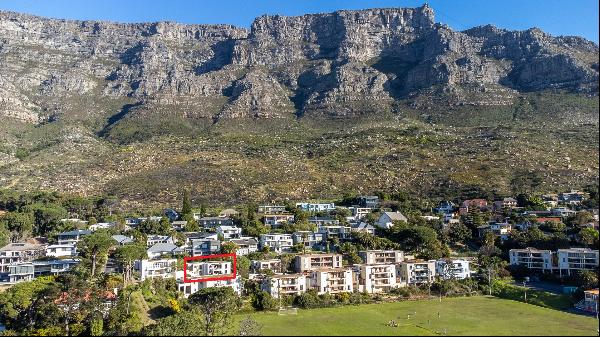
[{"x": 203, "y": 257}]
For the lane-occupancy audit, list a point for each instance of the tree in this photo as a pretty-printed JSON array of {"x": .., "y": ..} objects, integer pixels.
[
  {"x": 350, "y": 253},
  {"x": 228, "y": 247},
  {"x": 77, "y": 302},
  {"x": 127, "y": 255},
  {"x": 579, "y": 218},
  {"x": 458, "y": 232},
  {"x": 421, "y": 240},
  {"x": 95, "y": 245},
  {"x": 490, "y": 267},
  {"x": 46, "y": 217},
  {"x": 216, "y": 305},
  {"x": 97, "y": 327},
  {"x": 186, "y": 208},
  {"x": 184, "y": 323},
  {"x": 243, "y": 266},
  {"x": 586, "y": 279},
  {"x": 17, "y": 303},
  {"x": 20, "y": 225},
  {"x": 588, "y": 236},
  {"x": 126, "y": 317},
  {"x": 263, "y": 301},
  {"x": 163, "y": 227},
  {"x": 5, "y": 235}
]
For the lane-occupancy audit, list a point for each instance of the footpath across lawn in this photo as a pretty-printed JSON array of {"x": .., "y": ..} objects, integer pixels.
[{"x": 479, "y": 315}]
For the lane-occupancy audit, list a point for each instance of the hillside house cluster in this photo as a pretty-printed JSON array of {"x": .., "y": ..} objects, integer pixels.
[
  {"x": 379, "y": 271},
  {"x": 382, "y": 271}
]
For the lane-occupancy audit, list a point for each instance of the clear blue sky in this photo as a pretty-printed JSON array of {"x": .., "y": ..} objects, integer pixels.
[{"x": 558, "y": 17}]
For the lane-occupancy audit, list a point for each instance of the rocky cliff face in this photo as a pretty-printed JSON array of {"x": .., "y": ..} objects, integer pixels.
[{"x": 337, "y": 64}]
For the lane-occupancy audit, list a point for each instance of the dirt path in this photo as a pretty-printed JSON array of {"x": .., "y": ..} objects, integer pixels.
[{"x": 139, "y": 300}]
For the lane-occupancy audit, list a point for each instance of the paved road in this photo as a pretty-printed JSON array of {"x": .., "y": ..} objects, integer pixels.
[{"x": 542, "y": 286}]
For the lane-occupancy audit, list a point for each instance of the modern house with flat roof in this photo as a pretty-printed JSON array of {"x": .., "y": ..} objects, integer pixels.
[
  {"x": 309, "y": 262},
  {"x": 415, "y": 272},
  {"x": 381, "y": 256},
  {"x": 72, "y": 237},
  {"x": 19, "y": 252},
  {"x": 532, "y": 258},
  {"x": 575, "y": 259},
  {"x": 286, "y": 285},
  {"x": 161, "y": 268},
  {"x": 273, "y": 265},
  {"x": 455, "y": 269},
  {"x": 27, "y": 271},
  {"x": 331, "y": 280},
  {"x": 277, "y": 242},
  {"x": 376, "y": 278},
  {"x": 61, "y": 250}
]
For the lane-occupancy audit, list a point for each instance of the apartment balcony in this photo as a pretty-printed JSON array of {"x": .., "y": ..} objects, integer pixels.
[
  {"x": 380, "y": 283},
  {"x": 288, "y": 282},
  {"x": 289, "y": 288}
]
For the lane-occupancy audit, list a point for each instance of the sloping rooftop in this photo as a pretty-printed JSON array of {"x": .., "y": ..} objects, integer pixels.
[
  {"x": 396, "y": 216},
  {"x": 162, "y": 247},
  {"x": 21, "y": 246}
]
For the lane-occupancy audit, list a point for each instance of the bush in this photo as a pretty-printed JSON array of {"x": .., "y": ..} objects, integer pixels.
[
  {"x": 263, "y": 301},
  {"x": 308, "y": 300}
]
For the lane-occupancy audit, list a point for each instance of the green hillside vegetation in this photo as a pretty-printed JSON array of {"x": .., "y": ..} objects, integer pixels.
[{"x": 544, "y": 142}]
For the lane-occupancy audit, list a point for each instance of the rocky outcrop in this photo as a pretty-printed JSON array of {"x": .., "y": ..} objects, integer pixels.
[
  {"x": 335, "y": 64},
  {"x": 257, "y": 95}
]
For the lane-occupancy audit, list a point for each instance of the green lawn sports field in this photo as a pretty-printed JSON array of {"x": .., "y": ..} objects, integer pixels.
[{"x": 457, "y": 316}]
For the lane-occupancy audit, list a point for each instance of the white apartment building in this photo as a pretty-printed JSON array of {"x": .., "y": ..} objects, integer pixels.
[
  {"x": 197, "y": 269},
  {"x": 271, "y": 209},
  {"x": 340, "y": 232},
  {"x": 563, "y": 261},
  {"x": 151, "y": 240},
  {"x": 359, "y": 213},
  {"x": 414, "y": 272},
  {"x": 61, "y": 250},
  {"x": 190, "y": 288},
  {"x": 575, "y": 259},
  {"x": 286, "y": 285},
  {"x": 532, "y": 258},
  {"x": 310, "y": 207},
  {"x": 245, "y": 246},
  {"x": 27, "y": 271},
  {"x": 229, "y": 232},
  {"x": 376, "y": 278},
  {"x": 19, "y": 252},
  {"x": 163, "y": 268},
  {"x": 208, "y": 269},
  {"x": 277, "y": 220},
  {"x": 273, "y": 265},
  {"x": 277, "y": 242},
  {"x": 332, "y": 281},
  {"x": 72, "y": 237},
  {"x": 456, "y": 269},
  {"x": 309, "y": 262},
  {"x": 381, "y": 256}
]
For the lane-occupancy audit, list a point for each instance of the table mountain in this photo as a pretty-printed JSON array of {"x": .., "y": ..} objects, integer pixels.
[
  {"x": 324, "y": 64},
  {"x": 315, "y": 106}
]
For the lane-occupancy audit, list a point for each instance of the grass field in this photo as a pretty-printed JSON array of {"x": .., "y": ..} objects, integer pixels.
[{"x": 458, "y": 316}]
